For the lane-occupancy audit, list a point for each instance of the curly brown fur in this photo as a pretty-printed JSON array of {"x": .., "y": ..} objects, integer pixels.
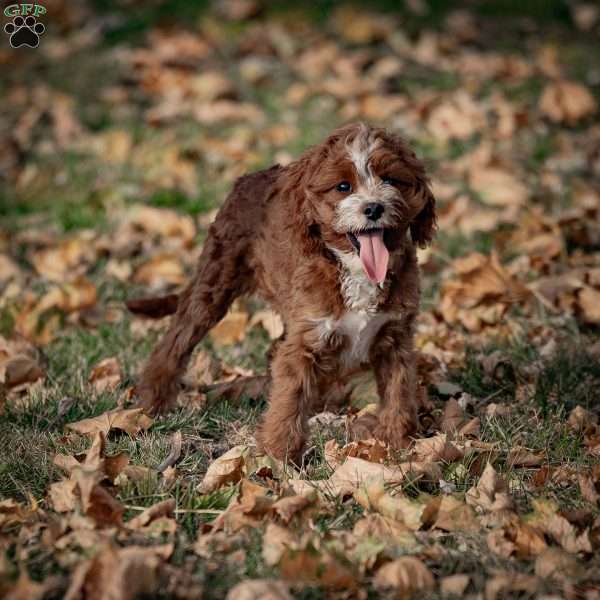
[{"x": 291, "y": 236}]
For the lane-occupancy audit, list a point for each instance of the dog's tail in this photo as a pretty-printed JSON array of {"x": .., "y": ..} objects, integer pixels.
[{"x": 154, "y": 308}]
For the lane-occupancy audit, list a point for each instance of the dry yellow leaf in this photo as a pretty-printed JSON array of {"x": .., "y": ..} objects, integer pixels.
[
  {"x": 161, "y": 511},
  {"x": 61, "y": 262},
  {"x": 228, "y": 468},
  {"x": 407, "y": 576},
  {"x": 567, "y": 101},
  {"x": 275, "y": 542},
  {"x": 412, "y": 513},
  {"x": 491, "y": 492},
  {"x": 163, "y": 222},
  {"x": 435, "y": 449},
  {"x": 130, "y": 420},
  {"x": 231, "y": 329},
  {"x": 454, "y": 515},
  {"x": 118, "y": 573},
  {"x": 270, "y": 321},
  {"x": 498, "y": 187},
  {"x": 288, "y": 507},
  {"x": 160, "y": 272},
  {"x": 457, "y": 117},
  {"x": 106, "y": 375},
  {"x": 589, "y": 304},
  {"x": 260, "y": 589},
  {"x": 501, "y": 585},
  {"x": 580, "y": 418},
  {"x": 454, "y": 586},
  {"x": 316, "y": 566}
]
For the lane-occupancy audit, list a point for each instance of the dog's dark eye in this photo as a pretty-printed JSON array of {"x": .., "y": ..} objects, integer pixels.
[
  {"x": 390, "y": 181},
  {"x": 344, "y": 186}
]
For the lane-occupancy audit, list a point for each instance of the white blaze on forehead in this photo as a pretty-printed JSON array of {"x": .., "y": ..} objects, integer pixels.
[{"x": 360, "y": 150}]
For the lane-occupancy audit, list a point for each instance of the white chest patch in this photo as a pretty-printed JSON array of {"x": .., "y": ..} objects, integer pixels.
[
  {"x": 361, "y": 322},
  {"x": 360, "y": 328}
]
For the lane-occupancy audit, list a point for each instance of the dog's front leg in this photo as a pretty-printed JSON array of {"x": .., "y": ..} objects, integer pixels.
[
  {"x": 393, "y": 361},
  {"x": 283, "y": 430}
]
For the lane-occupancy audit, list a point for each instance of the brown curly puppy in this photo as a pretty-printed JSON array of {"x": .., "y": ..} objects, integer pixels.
[{"x": 329, "y": 241}]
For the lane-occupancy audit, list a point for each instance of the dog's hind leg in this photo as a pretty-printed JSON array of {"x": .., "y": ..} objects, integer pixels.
[
  {"x": 221, "y": 276},
  {"x": 224, "y": 272}
]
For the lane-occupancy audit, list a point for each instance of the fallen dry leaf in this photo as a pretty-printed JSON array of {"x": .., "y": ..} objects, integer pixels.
[
  {"x": 228, "y": 468},
  {"x": 457, "y": 117},
  {"x": 118, "y": 573},
  {"x": 359, "y": 26},
  {"x": 275, "y": 542},
  {"x": 62, "y": 495},
  {"x": 390, "y": 531},
  {"x": 370, "y": 450},
  {"x": 498, "y": 187},
  {"x": 260, "y": 589},
  {"x": 231, "y": 329},
  {"x": 481, "y": 293},
  {"x": 454, "y": 586},
  {"x": 20, "y": 371},
  {"x": 579, "y": 418},
  {"x": 436, "y": 448},
  {"x": 589, "y": 305},
  {"x": 270, "y": 321},
  {"x": 501, "y": 585},
  {"x": 516, "y": 539},
  {"x": 163, "y": 222},
  {"x": 12, "y": 512},
  {"x": 453, "y": 417},
  {"x": 106, "y": 375},
  {"x": 355, "y": 472},
  {"x": 590, "y": 486},
  {"x": 412, "y": 513},
  {"x": 567, "y": 101},
  {"x": 288, "y": 507},
  {"x": 311, "y": 564},
  {"x": 160, "y": 272},
  {"x": 67, "y": 259},
  {"x": 545, "y": 518},
  {"x": 554, "y": 563},
  {"x": 407, "y": 576},
  {"x": 491, "y": 492},
  {"x": 454, "y": 515},
  {"x": 522, "y": 457},
  {"x": 161, "y": 511},
  {"x": 130, "y": 420},
  {"x": 39, "y": 319}
]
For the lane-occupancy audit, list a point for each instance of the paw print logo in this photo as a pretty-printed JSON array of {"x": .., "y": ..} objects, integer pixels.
[{"x": 24, "y": 31}]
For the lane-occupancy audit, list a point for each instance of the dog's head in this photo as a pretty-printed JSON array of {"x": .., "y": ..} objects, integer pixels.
[{"x": 361, "y": 191}]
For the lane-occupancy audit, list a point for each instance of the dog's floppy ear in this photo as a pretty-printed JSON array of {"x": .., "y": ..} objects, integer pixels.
[
  {"x": 294, "y": 185},
  {"x": 423, "y": 226}
]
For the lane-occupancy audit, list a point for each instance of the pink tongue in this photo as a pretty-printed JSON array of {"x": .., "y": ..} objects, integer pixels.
[{"x": 374, "y": 255}]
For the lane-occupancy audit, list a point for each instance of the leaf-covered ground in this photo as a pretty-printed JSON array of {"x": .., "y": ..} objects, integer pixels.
[{"x": 120, "y": 135}]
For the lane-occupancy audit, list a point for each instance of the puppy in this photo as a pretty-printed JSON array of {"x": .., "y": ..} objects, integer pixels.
[{"x": 329, "y": 241}]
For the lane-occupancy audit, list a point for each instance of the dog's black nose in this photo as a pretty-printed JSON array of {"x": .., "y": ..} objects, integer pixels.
[{"x": 373, "y": 210}]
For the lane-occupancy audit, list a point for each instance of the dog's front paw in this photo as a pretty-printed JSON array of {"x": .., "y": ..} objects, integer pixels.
[
  {"x": 288, "y": 448},
  {"x": 395, "y": 436},
  {"x": 156, "y": 397}
]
